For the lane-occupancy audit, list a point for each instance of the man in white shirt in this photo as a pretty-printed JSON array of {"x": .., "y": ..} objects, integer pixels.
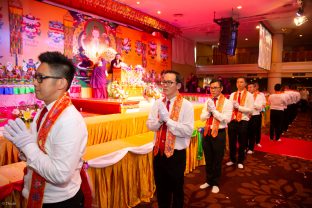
[
  {"x": 238, "y": 127},
  {"x": 254, "y": 125},
  {"x": 264, "y": 100},
  {"x": 55, "y": 144},
  {"x": 277, "y": 102},
  {"x": 217, "y": 112},
  {"x": 172, "y": 119}
]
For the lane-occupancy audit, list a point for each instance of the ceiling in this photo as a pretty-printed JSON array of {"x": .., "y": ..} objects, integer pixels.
[{"x": 195, "y": 18}]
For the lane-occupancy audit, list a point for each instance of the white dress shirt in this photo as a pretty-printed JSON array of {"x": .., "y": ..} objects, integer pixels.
[
  {"x": 61, "y": 166},
  {"x": 224, "y": 117},
  {"x": 246, "y": 109},
  {"x": 182, "y": 129},
  {"x": 259, "y": 103},
  {"x": 277, "y": 102}
]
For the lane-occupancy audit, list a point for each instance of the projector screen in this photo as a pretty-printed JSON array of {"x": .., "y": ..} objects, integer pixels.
[{"x": 265, "y": 48}]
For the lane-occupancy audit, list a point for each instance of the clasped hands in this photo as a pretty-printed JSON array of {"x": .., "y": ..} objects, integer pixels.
[
  {"x": 17, "y": 132},
  {"x": 210, "y": 105},
  {"x": 235, "y": 104}
]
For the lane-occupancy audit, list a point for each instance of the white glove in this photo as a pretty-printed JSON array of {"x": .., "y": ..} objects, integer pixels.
[
  {"x": 235, "y": 104},
  {"x": 210, "y": 105},
  {"x": 163, "y": 112},
  {"x": 17, "y": 132}
]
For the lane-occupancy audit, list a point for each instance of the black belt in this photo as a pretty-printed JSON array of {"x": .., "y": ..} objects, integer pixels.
[{"x": 221, "y": 130}]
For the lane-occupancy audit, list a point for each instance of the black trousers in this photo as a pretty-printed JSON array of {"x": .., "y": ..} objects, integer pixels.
[
  {"x": 238, "y": 133},
  {"x": 287, "y": 118},
  {"x": 169, "y": 179},
  {"x": 214, "y": 152},
  {"x": 254, "y": 131},
  {"x": 276, "y": 121},
  {"x": 74, "y": 202}
]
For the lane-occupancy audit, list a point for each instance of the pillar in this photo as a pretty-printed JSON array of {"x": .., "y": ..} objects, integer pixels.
[{"x": 275, "y": 74}]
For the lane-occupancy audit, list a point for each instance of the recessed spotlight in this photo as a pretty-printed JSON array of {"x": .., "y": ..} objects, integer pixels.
[
  {"x": 138, "y": 2},
  {"x": 239, "y": 7},
  {"x": 246, "y": 38},
  {"x": 158, "y": 12},
  {"x": 257, "y": 27}
]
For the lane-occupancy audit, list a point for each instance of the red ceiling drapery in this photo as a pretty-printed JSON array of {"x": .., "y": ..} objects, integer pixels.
[{"x": 121, "y": 13}]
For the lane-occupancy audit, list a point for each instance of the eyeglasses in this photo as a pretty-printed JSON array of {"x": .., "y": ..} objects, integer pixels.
[
  {"x": 214, "y": 88},
  {"x": 40, "y": 77},
  {"x": 168, "y": 83}
]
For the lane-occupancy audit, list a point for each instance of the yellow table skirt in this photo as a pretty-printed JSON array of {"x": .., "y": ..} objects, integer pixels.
[{"x": 8, "y": 152}]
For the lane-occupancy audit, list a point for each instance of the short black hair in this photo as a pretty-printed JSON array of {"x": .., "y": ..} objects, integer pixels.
[
  {"x": 251, "y": 83},
  {"x": 277, "y": 87},
  {"x": 60, "y": 65},
  {"x": 216, "y": 80},
  {"x": 178, "y": 76}
]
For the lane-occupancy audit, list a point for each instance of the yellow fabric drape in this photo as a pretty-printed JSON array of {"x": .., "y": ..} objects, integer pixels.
[
  {"x": 117, "y": 126},
  {"x": 124, "y": 184},
  {"x": 8, "y": 152}
]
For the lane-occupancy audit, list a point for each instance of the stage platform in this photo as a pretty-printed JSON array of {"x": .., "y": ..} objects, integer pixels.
[{"x": 104, "y": 106}]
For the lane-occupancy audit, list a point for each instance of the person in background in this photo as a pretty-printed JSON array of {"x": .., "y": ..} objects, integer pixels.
[
  {"x": 277, "y": 102},
  {"x": 98, "y": 80},
  {"x": 217, "y": 112},
  {"x": 304, "y": 99},
  {"x": 238, "y": 127},
  {"x": 254, "y": 124},
  {"x": 115, "y": 63},
  {"x": 54, "y": 145},
  {"x": 264, "y": 102},
  {"x": 172, "y": 120}
]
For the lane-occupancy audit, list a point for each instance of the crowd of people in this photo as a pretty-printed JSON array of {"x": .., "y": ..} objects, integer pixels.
[
  {"x": 241, "y": 113},
  {"x": 53, "y": 151}
]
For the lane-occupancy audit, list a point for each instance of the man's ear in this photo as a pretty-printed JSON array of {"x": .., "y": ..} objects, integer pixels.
[
  {"x": 62, "y": 84},
  {"x": 179, "y": 85}
]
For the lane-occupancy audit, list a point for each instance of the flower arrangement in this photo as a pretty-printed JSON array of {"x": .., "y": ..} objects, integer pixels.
[
  {"x": 151, "y": 91},
  {"x": 26, "y": 112},
  {"x": 116, "y": 91}
]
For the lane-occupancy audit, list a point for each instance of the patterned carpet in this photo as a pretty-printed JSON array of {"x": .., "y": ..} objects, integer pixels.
[{"x": 267, "y": 180}]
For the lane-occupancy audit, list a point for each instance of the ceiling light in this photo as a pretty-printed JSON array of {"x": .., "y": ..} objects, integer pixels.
[
  {"x": 300, "y": 11},
  {"x": 257, "y": 27},
  {"x": 138, "y": 2},
  {"x": 300, "y": 20},
  {"x": 239, "y": 7},
  {"x": 246, "y": 38},
  {"x": 158, "y": 12},
  {"x": 300, "y": 35}
]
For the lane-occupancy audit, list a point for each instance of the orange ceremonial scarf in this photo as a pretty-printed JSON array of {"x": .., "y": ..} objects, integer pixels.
[
  {"x": 170, "y": 140},
  {"x": 38, "y": 183},
  {"x": 237, "y": 115},
  {"x": 215, "y": 123}
]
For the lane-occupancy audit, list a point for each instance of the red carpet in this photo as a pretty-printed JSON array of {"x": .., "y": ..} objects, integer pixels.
[{"x": 288, "y": 147}]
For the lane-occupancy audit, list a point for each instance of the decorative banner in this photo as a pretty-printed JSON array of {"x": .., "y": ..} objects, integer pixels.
[
  {"x": 1, "y": 21},
  {"x": 68, "y": 35},
  {"x": 56, "y": 32},
  {"x": 31, "y": 26},
  {"x": 15, "y": 22}
]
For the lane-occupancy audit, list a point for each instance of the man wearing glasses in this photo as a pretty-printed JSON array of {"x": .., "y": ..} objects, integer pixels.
[
  {"x": 217, "y": 112},
  {"x": 172, "y": 119},
  {"x": 56, "y": 141}
]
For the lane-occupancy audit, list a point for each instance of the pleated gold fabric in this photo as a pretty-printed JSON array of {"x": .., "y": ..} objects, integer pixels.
[
  {"x": 117, "y": 126},
  {"x": 124, "y": 184},
  {"x": 8, "y": 152}
]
